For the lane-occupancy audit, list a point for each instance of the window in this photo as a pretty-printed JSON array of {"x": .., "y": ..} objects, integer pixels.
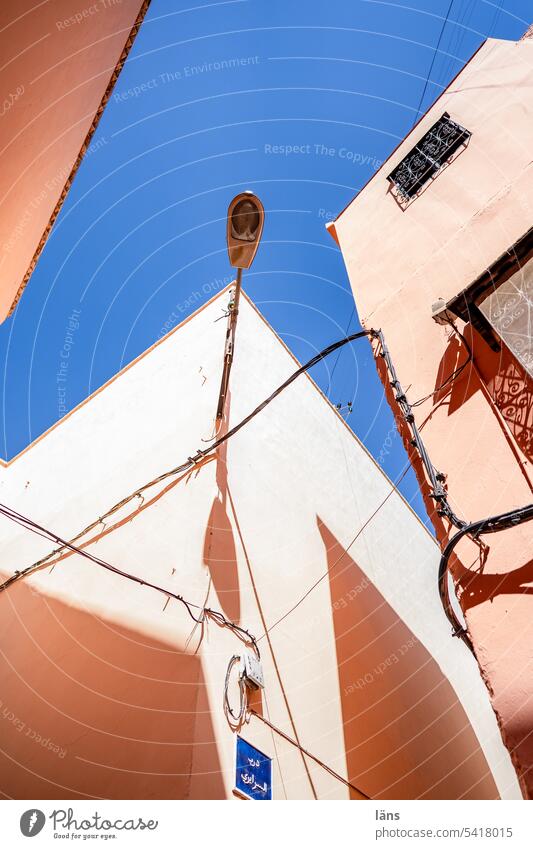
[
  {"x": 499, "y": 304},
  {"x": 427, "y": 157},
  {"x": 509, "y": 310}
]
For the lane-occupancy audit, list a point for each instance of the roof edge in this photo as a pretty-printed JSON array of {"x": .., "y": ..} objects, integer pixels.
[
  {"x": 412, "y": 130},
  {"x": 6, "y": 463}
]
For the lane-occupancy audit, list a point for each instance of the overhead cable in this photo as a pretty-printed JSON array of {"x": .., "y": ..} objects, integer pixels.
[
  {"x": 491, "y": 525},
  {"x": 451, "y": 377},
  {"x": 192, "y": 461},
  {"x": 309, "y": 755},
  {"x": 216, "y": 615},
  {"x": 444, "y": 22},
  {"x": 243, "y": 695},
  {"x": 436, "y": 478}
]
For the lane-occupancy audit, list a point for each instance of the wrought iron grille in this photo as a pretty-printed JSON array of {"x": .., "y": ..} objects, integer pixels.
[
  {"x": 428, "y": 156},
  {"x": 509, "y": 309}
]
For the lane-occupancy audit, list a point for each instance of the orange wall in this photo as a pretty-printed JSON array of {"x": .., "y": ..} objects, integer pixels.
[
  {"x": 402, "y": 260},
  {"x": 58, "y": 58}
]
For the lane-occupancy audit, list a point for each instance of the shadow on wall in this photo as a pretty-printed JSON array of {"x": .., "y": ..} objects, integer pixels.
[
  {"x": 478, "y": 586},
  {"x": 511, "y": 388},
  {"x": 512, "y": 391},
  {"x": 92, "y": 709},
  {"x": 220, "y": 555},
  {"x": 405, "y": 732},
  {"x": 506, "y": 381}
]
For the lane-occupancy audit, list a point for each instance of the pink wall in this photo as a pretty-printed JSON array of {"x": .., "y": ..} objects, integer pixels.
[{"x": 477, "y": 430}]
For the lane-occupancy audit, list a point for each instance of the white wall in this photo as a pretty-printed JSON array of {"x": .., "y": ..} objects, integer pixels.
[{"x": 111, "y": 674}]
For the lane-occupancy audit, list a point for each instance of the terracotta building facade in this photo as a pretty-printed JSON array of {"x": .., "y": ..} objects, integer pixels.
[
  {"x": 60, "y": 64},
  {"x": 438, "y": 248}
]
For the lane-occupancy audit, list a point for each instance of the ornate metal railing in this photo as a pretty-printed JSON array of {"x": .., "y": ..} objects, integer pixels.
[{"x": 427, "y": 157}]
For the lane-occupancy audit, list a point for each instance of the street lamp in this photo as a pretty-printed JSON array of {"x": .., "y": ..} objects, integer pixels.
[{"x": 244, "y": 228}]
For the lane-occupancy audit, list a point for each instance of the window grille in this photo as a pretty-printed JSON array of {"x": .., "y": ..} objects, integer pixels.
[
  {"x": 427, "y": 157},
  {"x": 509, "y": 309}
]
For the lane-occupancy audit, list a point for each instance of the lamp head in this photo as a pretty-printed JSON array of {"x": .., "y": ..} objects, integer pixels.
[{"x": 246, "y": 216}]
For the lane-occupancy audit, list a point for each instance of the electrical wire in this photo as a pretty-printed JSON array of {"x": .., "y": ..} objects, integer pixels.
[
  {"x": 189, "y": 464},
  {"x": 63, "y": 545},
  {"x": 41, "y": 531},
  {"x": 451, "y": 377},
  {"x": 491, "y": 525},
  {"x": 433, "y": 62},
  {"x": 243, "y": 695},
  {"x": 309, "y": 755},
  {"x": 336, "y": 363},
  {"x": 344, "y": 553},
  {"x": 436, "y": 479},
  {"x": 474, "y": 529},
  {"x": 461, "y": 27}
]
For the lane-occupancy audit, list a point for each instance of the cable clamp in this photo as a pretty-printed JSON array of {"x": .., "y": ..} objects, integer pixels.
[{"x": 197, "y": 457}]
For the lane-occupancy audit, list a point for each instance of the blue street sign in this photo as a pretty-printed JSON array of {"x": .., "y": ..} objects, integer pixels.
[{"x": 253, "y": 777}]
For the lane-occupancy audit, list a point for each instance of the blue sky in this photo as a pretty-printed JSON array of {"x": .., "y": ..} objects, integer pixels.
[{"x": 299, "y": 101}]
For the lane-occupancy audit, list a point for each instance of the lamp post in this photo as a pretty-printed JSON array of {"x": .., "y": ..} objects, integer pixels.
[{"x": 244, "y": 228}]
